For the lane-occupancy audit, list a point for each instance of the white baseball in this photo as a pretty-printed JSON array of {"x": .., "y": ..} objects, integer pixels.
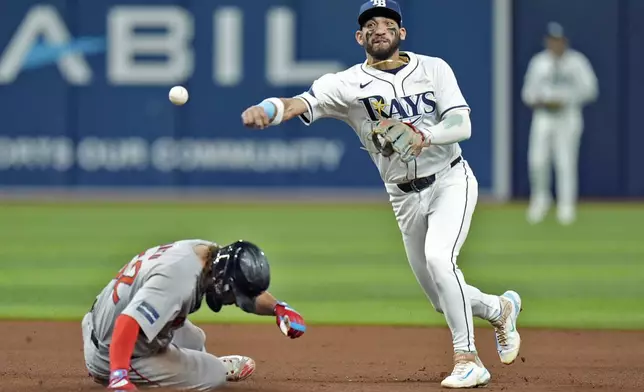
[{"x": 178, "y": 95}]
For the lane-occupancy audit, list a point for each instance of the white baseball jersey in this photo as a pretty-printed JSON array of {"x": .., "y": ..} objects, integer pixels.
[
  {"x": 420, "y": 93},
  {"x": 569, "y": 79},
  {"x": 157, "y": 288}
]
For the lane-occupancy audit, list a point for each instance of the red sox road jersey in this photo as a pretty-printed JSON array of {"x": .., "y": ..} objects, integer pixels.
[
  {"x": 421, "y": 93},
  {"x": 158, "y": 288}
]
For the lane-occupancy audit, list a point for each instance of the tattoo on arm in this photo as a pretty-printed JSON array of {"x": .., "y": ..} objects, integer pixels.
[{"x": 453, "y": 121}]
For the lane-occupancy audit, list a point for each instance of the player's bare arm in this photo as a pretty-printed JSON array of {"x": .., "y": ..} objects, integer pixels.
[
  {"x": 240, "y": 275},
  {"x": 273, "y": 110},
  {"x": 288, "y": 319},
  {"x": 265, "y": 304}
]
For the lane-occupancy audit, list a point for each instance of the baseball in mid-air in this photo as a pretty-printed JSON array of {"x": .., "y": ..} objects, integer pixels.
[{"x": 178, "y": 95}]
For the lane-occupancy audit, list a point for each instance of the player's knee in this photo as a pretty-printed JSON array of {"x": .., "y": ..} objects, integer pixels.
[
  {"x": 202, "y": 338},
  {"x": 438, "y": 262},
  {"x": 537, "y": 160},
  {"x": 440, "y": 268},
  {"x": 191, "y": 337}
]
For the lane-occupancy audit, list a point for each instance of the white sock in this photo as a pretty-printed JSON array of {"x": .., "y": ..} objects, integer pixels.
[{"x": 485, "y": 306}]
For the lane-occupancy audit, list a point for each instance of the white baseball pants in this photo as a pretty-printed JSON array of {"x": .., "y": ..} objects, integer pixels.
[
  {"x": 184, "y": 365},
  {"x": 554, "y": 139},
  {"x": 434, "y": 224}
]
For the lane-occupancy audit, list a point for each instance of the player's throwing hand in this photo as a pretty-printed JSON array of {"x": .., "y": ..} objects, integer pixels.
[
  {"x": 119, "y": 381},
  {"x": 256, "y": 117},
  {"x": 289, "y": 321}
]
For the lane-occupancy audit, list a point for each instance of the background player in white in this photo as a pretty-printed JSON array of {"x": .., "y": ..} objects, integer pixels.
[
  {"x": 433, "y": 195},
  {"x": 137, "y": 332},
  {"x": 558, "y": 83}
]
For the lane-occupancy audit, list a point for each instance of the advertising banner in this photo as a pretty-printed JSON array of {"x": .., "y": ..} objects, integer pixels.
[{"x": 84, "y": 90}]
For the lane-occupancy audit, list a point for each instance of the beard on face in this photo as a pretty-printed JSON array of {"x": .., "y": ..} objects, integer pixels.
[{"x": 383, "y": 51}]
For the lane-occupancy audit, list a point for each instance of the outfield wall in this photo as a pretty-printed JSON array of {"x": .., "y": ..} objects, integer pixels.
[
  {"x": 611, "y": 34},
  {"x": 86, "y": 113},
  {"x": 100, "y": 118},
  {"x": 83, "y": 91}
]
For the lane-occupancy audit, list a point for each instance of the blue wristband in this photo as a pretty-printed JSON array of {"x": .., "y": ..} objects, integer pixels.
[{"x": 269, "y": 109}]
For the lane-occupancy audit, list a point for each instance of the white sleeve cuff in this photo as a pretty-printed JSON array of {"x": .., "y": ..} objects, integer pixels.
[{"x": 308, "y": 117}]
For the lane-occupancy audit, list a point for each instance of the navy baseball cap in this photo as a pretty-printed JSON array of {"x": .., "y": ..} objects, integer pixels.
[
  {"x": 555, "y": 30},
  {"x": 386, "y": 8}
]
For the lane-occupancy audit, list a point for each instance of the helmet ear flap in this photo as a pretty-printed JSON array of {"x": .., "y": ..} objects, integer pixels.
[
  {"x": 213, "y": 302},
  {"x": 244, "y": 301}
]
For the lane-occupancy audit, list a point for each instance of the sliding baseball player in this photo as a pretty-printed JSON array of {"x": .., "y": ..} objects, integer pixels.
[{"x": 138, "y": 334}]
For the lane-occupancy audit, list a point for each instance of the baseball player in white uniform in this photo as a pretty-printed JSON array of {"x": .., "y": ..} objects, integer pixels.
[
  {"x": 558, "y": 83},
  {"x": 137, "y": 332},
  {"x": 431, "y": 187}
]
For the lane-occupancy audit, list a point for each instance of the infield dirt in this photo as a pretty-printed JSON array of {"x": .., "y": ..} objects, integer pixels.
[{"x": 47, "y": 356}]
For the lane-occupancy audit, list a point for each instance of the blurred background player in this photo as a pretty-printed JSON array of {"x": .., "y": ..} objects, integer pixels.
[{"x": 558, "y": 83}]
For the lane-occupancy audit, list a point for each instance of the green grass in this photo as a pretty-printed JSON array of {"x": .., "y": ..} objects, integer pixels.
[{"x": 335, "y": 264}]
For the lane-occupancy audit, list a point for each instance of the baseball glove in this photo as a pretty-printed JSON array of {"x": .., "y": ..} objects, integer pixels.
[{"x": 395, "y": 137}]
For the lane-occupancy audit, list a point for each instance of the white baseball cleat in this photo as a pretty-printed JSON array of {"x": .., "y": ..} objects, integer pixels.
[
  {"x": 468, "y": 372},
  {"x": 566, "y": 215},
  {"x": 537, "y": 211},
  {"x": 508, "y": 340},
  {"x": 238, "y": 367}
]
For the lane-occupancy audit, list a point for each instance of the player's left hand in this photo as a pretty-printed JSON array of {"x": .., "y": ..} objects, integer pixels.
[
  {"x": 393, "y": 136},
  {"x": 289, "y": 321},
  {"x": 553, "y": 105}
]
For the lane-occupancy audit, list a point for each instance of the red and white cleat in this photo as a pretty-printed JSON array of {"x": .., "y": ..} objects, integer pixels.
[{"x": 238, "y": 367}]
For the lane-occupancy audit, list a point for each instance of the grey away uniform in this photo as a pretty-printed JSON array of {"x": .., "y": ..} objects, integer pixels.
[{"x": 158, "y": 288}]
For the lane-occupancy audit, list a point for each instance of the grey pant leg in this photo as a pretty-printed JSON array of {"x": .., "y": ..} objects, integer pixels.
[
  {"x": 179, "y": 368},
  {"x": 190, "y": 336},
  {"x": 97, "y": 364},
  {"x": 187, "y": 367}
]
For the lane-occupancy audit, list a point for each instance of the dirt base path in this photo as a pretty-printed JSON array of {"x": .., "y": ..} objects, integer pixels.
[{"x": 41, "y": 356}]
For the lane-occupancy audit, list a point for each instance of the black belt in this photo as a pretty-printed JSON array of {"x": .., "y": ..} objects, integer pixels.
[
  {"x": 419, "y": 184},
  {"x": 94, "y": 340},
  {"x": 92, "y": 334}
]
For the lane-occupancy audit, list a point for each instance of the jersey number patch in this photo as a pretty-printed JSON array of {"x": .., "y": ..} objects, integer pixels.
[
  {"x": 126, "y": 276},
  {"x": 128, "y": 273}
]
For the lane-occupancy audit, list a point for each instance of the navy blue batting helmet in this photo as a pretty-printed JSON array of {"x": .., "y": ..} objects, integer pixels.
[{"x": 240, "y": 272}]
